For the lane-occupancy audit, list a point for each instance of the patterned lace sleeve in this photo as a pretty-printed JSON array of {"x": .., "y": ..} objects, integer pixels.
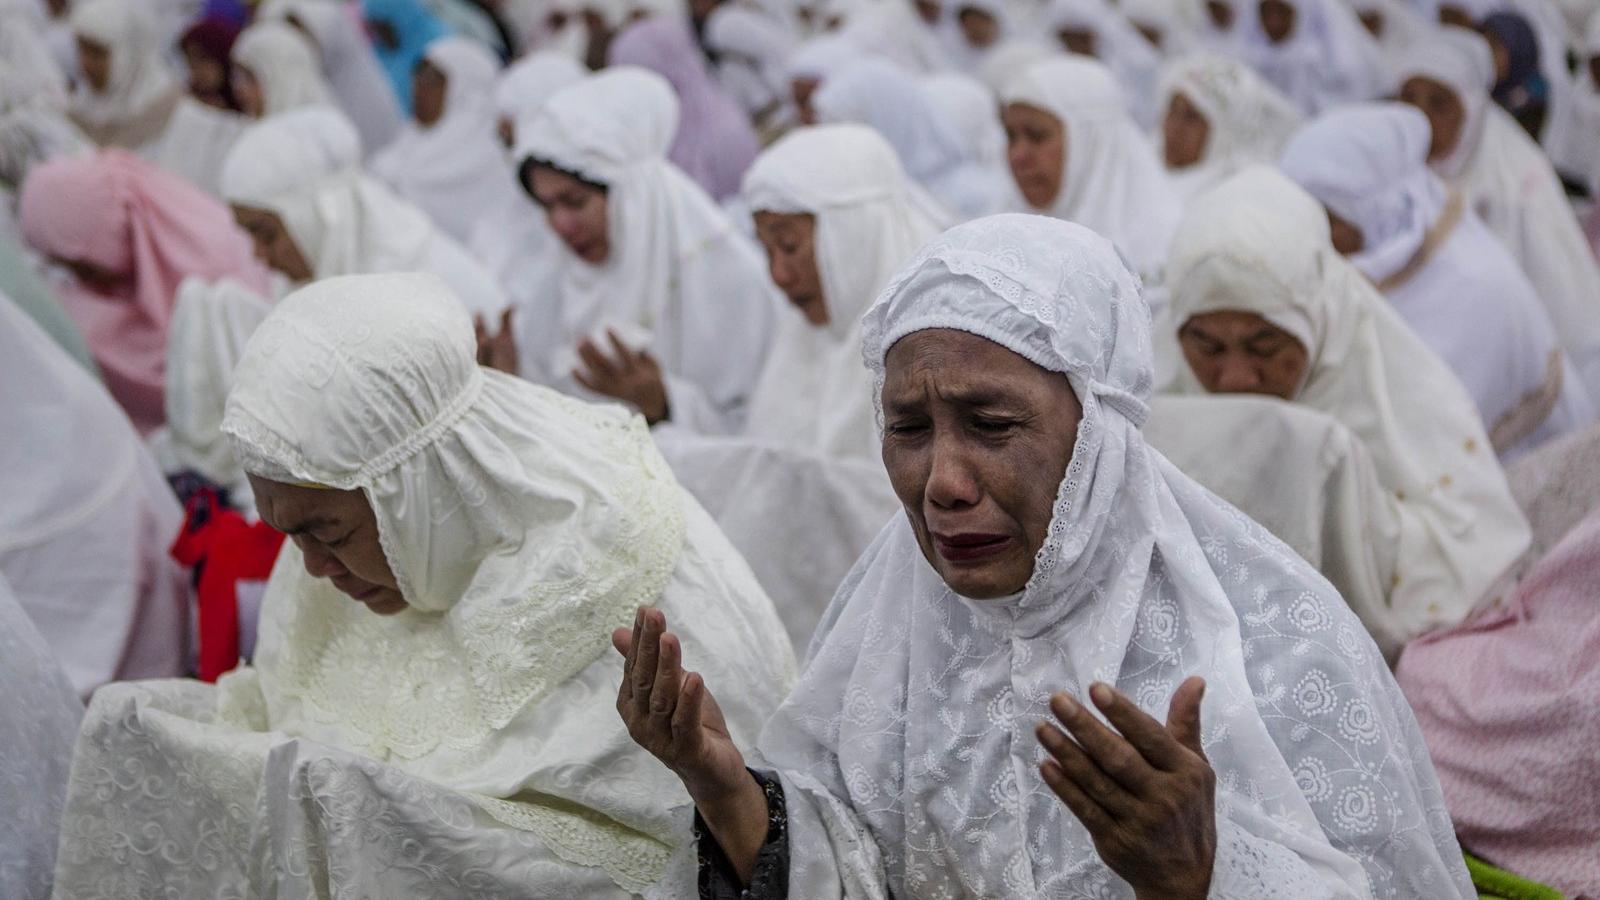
[{"x": 770, "y": 880}]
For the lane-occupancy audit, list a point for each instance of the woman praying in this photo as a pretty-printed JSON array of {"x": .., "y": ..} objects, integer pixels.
[
  {"x": 1315, "y": 51},
  {"x": 1219, "y": 116},
  {"x": 433, "y": 638},
  {"x": 667, "y": 305},
  {"x": 125, "y": 93},
  {"x": 1446, "y": 275},
  {"x": 296, "y": 185},
  {"x": 1232, "y": 731},
  {"x": 348, "y": 62},
  {"x": 1503, "y": 176},
  {"x": 1263, "y": 304},
  {"x": 275, "y": 70}
]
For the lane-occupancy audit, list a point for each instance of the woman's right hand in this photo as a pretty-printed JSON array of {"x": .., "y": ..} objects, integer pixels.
[{"x": 670, "y": 713}]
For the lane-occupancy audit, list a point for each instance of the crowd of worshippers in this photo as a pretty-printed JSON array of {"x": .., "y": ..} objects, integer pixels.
[{"x": 836, "y": 449}]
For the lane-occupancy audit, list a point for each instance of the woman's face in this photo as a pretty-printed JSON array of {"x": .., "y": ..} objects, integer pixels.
[
  {"x": 247, "y": 92},
  {"x": 1277, "y": 20},
  {"x": 790, "y": 242},
  {"x": 1235, "y": 352},
  {"x": 207, "y": 77},
  {"x": 1347, "y": 238},
  {"x": 274, "y": 245},
  {"x": 337, "y": 534},
  {"x": 1184, "y": 132},
  {"x": 427, "y": 93},
  {"x": 803, "y": 90},
  {"x": 1450, "y": 14},
  {"x": 1445, "y": 112},
  {"x": 94, "y": 61},
  {"x": 577, "y": 212},
  {"x": 976, "y": 441},
  {"x": 978, "y": 27},
  {"x": 1037, "y": 151},
  {"x": 1221, "y": 14}
]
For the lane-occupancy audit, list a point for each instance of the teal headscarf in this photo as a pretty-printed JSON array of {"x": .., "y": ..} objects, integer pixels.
[{"x": 414, "y": 27}]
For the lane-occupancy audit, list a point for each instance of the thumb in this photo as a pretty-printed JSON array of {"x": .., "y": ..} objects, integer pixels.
[{"x": 1183, "y": 716}]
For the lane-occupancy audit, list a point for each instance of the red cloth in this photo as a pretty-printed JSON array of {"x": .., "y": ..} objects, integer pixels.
[{"x": 225, "y": 550}]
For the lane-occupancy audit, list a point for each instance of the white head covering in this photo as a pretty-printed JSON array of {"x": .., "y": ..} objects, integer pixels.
[
  {"x": 33, "y": 71},
  {"x": 971, "y": 106},
  {"x": 1248, "y": 119},
  {"x": 814, "y": 393},
  {"x": 33, "y": 129},
  {"x": 455, "y": 168},
  {"x": 1367, "y": 163},
  {"x": 1328, "y": 58},
  {"x": 1117, "y": 44},
  {"x": 305, "y": 166},
  {"x": 1111, "y": 181},
  {"x": 352, "y": 69},
  {"x": 522, "y": 527},
  {"x": 751, "y": 50},
  {"x": 1461, "y": 61},
  {"x": 1324, "y": 788},
  {"x": 820, "y": 57},
  {"x": 1257, "y": 243},
  {"x": 284, "y": 65},
  {"x": 525, "y": 85},
  {"x": 877, "y": 93},
  {"x": 139, "y": 75},
  {"x": 678, "y": 278}
]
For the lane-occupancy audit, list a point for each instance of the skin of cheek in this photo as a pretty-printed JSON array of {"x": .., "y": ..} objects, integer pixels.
[
  {"x": 1036, "y": 152},
  {"x": 954, "y": 478},
  {"x": 789, "y": 240},
  {"x": 356, "y": 566},
  {"x": 1233, "y": 369},
  {"x": 94, "y": 61},
  {"x": 1184, "y": 133}
]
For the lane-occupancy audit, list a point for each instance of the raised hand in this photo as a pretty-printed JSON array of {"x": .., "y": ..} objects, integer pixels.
[
  {"x": 632, "y": 376},
  {"x": 670, "y": 713},
  {"x": 497, "y": 350},
  {"x": 1147, "y": 795}
]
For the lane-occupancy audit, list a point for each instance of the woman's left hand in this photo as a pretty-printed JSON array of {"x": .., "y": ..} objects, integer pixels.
[
  {"x": 632, "y": 376},
  {"x": 497, "y": 350},
  {"x": 1147, "y": 795}
]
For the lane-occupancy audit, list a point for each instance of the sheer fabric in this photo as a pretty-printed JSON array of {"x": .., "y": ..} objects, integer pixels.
[
  {"x": 305, "y": 167},
  {"x": 814, "y": 395},
  {"x": 455, "y": 168},
  {"x": 141, "y": 91},
  {"x": 679, "y": 278},
  {"x": 348, "y": 62},
  {"x": 1248, "y": 119},
  {"x": 149, "y": 230},
  {"x": 1328, "y": 57},
  {"x": 1443, "y": 271},
  {"x": 1324, "y": 788},
  {"x": 522, "y": 527},
  {"x": 87, "y": 519},
  {"x": 713, "y": 143},
  {"x": 1259, "y": 244},
  {"x": 38, "y": 720},
  {"x": 1111, "y": 180},
  {"x": 1507, "y": 705},
  {"x": 284, "y": 65},
  {"x": 1506, "y": 179}
]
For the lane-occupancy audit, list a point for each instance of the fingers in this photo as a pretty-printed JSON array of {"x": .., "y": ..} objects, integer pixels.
[
  {"x": 583, "y": 379},
  {"x": 1147, "y": 735},
  {"x": 686, "y": 717},
  {"x": 1109, "y": 752},
  {"x": 1090, "y": 813},
  {"x": 622, "y": 640},
  {"x": 1079, "y": 768},
  {"x": 599, "y": 365},
  {"x": 664, "y": 697},
  {"x": 625, "y": 354},
  {"x": 648, "y": 652},
  {"x": 505, "y": 320},
  {"x": 1183, "y": 716}
]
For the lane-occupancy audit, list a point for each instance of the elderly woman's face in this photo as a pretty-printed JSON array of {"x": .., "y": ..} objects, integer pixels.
[
  {"x": 1036, "y": 148},
  {"x": 1184, "y": 132},
  {"x": 1234, "y": 352},
  {"x": 273, "y": 244},
  {"x": 976, "y": 440},
  {"x": 790, "y": 242},
  {"x": 337, "y": 534},
  {"x": 1445, "y": 112}
]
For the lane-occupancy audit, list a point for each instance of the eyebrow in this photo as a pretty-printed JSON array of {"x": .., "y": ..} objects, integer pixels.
[
  {"x": 311, "y": 524},
  {"x": 973, "y": 398}
]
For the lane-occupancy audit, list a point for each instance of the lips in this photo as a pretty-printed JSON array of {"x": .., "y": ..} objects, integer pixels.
[{"x": 971, "y": 546}]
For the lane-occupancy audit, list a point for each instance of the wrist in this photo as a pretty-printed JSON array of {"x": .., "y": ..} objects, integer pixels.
[{"x": 736, "y": 816}]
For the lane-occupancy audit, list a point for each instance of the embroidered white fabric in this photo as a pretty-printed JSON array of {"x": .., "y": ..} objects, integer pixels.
[
  {"x": 1259, "y": 244},
  {"x": 907, "y": 748},
  {"x": 522, "y": 527},
  {"x": 39, "y": 714},
  {"x": 1248, "y": 119}
]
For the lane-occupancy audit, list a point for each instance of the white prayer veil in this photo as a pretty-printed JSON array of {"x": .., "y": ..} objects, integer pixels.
[
  {"x": 455, "y": 168},
  {"x": 1367, "y": 163},
  {"x": 284, "y": 65},
  {"x": 1111, "y": 181},
  {"x": 1248, "y": 120},
  {"x": 354, "y": 75},
  {"x": 1328, "y": 58},
  {"x": 1460, "y": 60},
  {"x": 525, "y": 85},
  {"x": 1118, "y": 45},
  {"x": 907, "y": 749},
  {"x": 869, "y": 218},
  {"x": 139, "y": 74},
  {"x": 1258, "y": 243}
]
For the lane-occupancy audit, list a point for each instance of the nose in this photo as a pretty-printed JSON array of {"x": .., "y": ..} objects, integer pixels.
[
  {"x": 318, "y": 561},
  {"x": 952, "y": 483},
  {"x": 1020, "y": 158},
  {"x": 1236, "y": 375},
  {"x": 781, "y": 274}
]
